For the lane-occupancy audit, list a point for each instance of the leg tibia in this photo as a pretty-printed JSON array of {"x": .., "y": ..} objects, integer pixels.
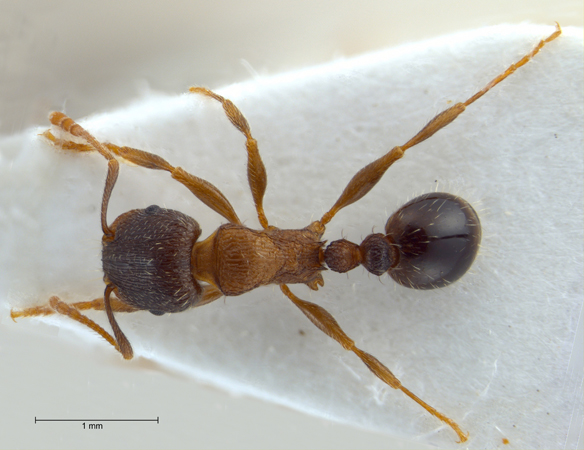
[
  {"x": 326, "y": 323},
  {"x": 97, "y": 304},
  {"x": 202, "y": 189},
  {"x": 256, "y": 171}
]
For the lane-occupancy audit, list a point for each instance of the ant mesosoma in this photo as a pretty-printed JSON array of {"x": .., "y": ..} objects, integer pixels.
[{"x": 152, "y": 260}]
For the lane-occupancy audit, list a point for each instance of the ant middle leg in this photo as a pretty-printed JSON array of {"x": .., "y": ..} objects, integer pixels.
[
  {"x": 256, "y": 171},
  {"x": 205, "y": 191}
]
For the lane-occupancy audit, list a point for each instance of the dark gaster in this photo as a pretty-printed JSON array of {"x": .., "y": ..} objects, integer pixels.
[{"x": 438, "y": 236}]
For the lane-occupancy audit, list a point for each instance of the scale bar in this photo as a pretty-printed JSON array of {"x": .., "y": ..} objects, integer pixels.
[{"x": 157, "y": 420}]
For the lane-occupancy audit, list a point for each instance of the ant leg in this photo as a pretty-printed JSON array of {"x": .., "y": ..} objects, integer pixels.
[
  {"x": 97, "y": 304},
  {"x": 327, "y": 324},
  {"x": 68, "y": 145},
  {"x": 56, "y": 305},
  {"x": 32, "y": 312},
  {"x": 210, "y": 294},
  {"x": 366, "y": 178},
  {"x": 256, "y": 171},
  {"x": 203, "y": 190}
]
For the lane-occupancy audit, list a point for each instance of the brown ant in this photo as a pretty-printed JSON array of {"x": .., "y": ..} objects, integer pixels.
[{"x": 152, "y": 260}]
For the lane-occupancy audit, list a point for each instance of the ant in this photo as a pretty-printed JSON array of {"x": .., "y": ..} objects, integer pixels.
[{"x": 152, "y": 259}]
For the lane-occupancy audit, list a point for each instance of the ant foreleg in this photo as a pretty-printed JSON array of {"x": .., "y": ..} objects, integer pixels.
[
  {"x": 366, "y": 178},
  {"x": 256, "y": 171},
  {"x": 72, "y": 310},
  {"x": 202, "y": 189},
  {"x": 56, "y": 305},
  {"x": 97, "y": 305},
  {"x": 210, "y": 294},
  {"x": 324, "y": 321}
]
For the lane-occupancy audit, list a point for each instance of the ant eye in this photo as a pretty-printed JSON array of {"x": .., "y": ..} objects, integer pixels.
[
  {"x": 152, "y": 209},
  {"x": 438, "y": 237}
]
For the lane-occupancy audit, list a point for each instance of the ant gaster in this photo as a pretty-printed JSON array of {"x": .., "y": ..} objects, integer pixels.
[{"x": 152, "y": 259}]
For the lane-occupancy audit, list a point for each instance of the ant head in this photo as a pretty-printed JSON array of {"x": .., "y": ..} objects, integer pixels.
[{"x": 429, "y": 243}]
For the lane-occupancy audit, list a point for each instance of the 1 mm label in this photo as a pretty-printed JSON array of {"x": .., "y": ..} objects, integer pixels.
[{"x": 92, "y": 426}]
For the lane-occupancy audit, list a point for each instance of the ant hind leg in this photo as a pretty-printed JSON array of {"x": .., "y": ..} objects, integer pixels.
[
  {"x": 364, "y": 180},
  {"x": 325, "y": 322}
]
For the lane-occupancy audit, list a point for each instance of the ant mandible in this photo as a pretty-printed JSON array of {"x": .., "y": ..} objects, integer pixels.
[{"x": 152, "y": 260}]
